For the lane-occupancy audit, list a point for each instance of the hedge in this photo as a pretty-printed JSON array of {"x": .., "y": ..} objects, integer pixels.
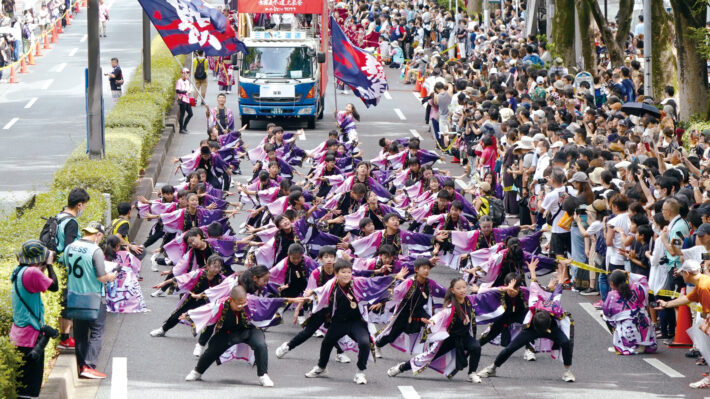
[{"x": 132, "y": 129}]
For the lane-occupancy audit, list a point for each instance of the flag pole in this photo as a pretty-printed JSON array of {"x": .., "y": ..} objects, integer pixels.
[{"x": 335, "y": 85}]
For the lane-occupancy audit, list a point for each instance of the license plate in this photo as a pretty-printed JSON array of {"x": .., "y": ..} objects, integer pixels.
[{"x": 277, "y": 111}]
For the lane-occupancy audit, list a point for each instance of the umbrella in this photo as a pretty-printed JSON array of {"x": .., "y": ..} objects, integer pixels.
[{"x": 640, "y": 109}]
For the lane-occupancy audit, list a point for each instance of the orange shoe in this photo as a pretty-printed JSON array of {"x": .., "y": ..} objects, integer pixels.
[
  {"x": 67, "y": 343},
  {"x": 88, "y": 372}
]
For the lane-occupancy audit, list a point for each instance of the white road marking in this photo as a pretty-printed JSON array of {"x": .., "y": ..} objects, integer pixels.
[
  {"x": 589, "y": 308},
  {"x": 59, "y": 67},
  {"x": 119, "y": 378},
  {"x": 302, "y": 137},
  {"x": 83, "y": 38},
  {"x": 415, "y": 133},
  {"x": 664, "y": 368},
  {"x": 408, "y": 392},
  {"x": 32, "y": 101},
  {"x": 46, "y": 85},
  {"x": 416, "y": 95},
  {"x": 73, "y": 51},
  {"x": 387, "y": 95},
  {"x": 9, "y": 124},
  {"x": 400, "y": 114}
]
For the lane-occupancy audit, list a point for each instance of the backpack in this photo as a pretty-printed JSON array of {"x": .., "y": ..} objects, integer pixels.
[
  {"x": 560, "y": 199},
  {"x": 50, "y": 230},
  {"x": 494, "y": 208},
  {"x": 200, "y": 70}
]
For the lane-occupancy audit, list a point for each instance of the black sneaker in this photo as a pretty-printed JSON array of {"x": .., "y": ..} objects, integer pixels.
[
  {"x": 692, "y": 353},
  {"x": 590, "y": 292}
]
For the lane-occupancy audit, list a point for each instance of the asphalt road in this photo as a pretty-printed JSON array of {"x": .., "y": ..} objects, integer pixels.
[
  {"x": 156, "y": 367},
  {"x": 43, "y": 117}
]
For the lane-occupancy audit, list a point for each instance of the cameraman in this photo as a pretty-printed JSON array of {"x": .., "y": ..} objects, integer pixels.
[{"x": 28, "y": 328}]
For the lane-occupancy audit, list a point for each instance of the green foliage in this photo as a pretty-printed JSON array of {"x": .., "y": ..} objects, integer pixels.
[
  {"x": 445, "y": 4},
  {"x": 132, "y": 129}
]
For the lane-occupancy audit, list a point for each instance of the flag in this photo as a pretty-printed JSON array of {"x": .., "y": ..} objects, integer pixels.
[
  {"x": 190, "y": 25},
  {"x": 357, "y": 68}
]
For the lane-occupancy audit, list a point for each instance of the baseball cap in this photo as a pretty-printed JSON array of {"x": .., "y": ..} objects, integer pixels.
[
  {"x": 485, "y": 187},
  {"x": 703, "y": 229},
  {"x": 185, "y": 70},
  {"x": 691, "y": 266},
  {"x": 580, "y": 177},
  {"x": 540, "y": 80},
  {"x": 32, "y": 252},
  {"x": 93, "y": 228}
]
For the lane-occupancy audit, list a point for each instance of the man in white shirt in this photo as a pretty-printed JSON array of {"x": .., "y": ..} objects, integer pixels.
[
  {"x": 543, "y": 161},
  {"x": 619, "y": 224},
  {"x": 552, "y": 208}
]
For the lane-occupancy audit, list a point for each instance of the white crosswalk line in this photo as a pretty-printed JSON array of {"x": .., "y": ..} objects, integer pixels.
[
  {"x": 387, "y": 95},
  {"x": 59, "y": 67},
  {"x": 73, "y": 51},
  {"x": 83, "y": 38},
  {"x": 408, "y": 392},
  {"x": 415, "y": 133},
  {"x": 46, "y": 85},
  {"x": 119, "y": 378},
  {"x": 9, "y": 124},
  {"x": 32, "y": 101},
  {"x": 400, "y": 114},
  {"x": 664, "y": 368},
  {"x": 589, "y": 308}
]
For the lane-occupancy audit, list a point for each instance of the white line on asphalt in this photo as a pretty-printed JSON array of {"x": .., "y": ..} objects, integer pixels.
[
  {"x": 589, "y": 308},
  {"x": 73, "y": 51},
  {"x": 302, "y": 137},
  {"x": 119, "y": 378},
  {"x": 408, "y": 392},
  {"x": 665, "y": 369},
  {"x": 46, "y": 85},
  {"x": 416, "y": 95},
  {"x": 9, "y": 124},
  {"x": 415, "y": 133},
  {"x": 400, "y": 114},
  {"x": 60, "y": 67},
  {"x": 83, "y": 38},
  {"x": 387, "y": 95},
  {"x": 32, "y": 101}
]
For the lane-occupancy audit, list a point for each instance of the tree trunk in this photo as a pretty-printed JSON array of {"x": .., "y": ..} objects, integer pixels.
[
  {"x": 474, "y": 7},
  {"x": 584, "y": 21},
  {"x": 663, "y": 58},
  {"x": 692, "y": 69},
  {"x": 614, "y": 43},
  {"x": 563, "y": 30}
]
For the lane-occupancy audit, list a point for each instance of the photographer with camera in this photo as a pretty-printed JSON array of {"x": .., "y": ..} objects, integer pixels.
[{"x": 28, "y": 332}]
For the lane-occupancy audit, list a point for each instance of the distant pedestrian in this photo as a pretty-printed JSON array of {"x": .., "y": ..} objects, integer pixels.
[
  {"x": 199, "y": 65},
  {"x": 103, "y": 17},
  {"x": 182, "y": 88},
  {"x": 115, "y": 79}
]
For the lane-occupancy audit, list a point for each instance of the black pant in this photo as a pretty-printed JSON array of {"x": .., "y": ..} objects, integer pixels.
[
  {"x": 174, "y": 318},
  {"x": 560, "y": 244},
  {"x": 501, "y": 327},
  {"x": 205, "y": 335},
  {"x": 32, "y": 370},
  {"x": 89, "y": 336},
  {"x": 222, "y": 341},
  {"x": 355, "y": 329},
  {"x": 398, "y": 327},
  {"x": 155, "y": 233},
  {"x": 314, "y": 322},
  {"x": 528, "y": 335},
  {"x": 185, "y": 108},
  {"x": 465, "y": 346}
]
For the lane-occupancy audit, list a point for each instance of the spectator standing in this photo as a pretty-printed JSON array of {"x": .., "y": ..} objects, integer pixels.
[
  {"x": 28, "y": 282},
  {"x": 115, "y": 79},
  {"x": 182, "y": 88},
  {"x": 87, "y": 274},
  {"x": 103, "y": 18},
  {"x": 199, "y": 65}
]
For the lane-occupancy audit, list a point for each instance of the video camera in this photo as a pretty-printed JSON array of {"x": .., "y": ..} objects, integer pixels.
[{"x": 46, "y": 333}]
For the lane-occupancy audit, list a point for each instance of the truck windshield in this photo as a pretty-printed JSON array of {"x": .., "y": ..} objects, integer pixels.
[{"x": 277, "y": 62}]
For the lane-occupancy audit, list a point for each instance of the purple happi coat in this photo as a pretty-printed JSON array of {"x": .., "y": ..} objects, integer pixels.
[{"x": 633, "y": 330}]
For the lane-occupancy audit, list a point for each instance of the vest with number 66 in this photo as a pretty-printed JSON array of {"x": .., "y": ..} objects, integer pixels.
[{"x": 81, "y": 275}]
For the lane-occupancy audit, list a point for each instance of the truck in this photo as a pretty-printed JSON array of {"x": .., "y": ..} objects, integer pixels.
[{"x": 284, "y": 72}]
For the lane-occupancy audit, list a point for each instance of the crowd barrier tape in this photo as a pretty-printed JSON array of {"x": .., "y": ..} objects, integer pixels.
[
  {"x": 584, "y": 266},
  {"x": 39, "y": 38}
]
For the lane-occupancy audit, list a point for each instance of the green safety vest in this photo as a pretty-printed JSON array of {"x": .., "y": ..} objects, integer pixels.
[
  {"x": 21, "y": 316},
  {"x": 79, "y": 261}
]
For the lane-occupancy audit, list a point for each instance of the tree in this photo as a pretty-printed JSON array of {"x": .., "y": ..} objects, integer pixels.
[
  {"x": 688, "y": 18},
  {"x": 615, "y": 43},
  {"x": 474, "y": 7},
  {"x": 663, "y": 59},
  {"x": 584, "y": 22},
  {"x": 563, "y": 30}
]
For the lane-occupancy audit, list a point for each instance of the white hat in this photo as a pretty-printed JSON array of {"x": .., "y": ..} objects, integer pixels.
[
  {"x": 186, "y": 69},
  {"x": 622, "y": 165},
  {"x": 418, "y": 50},
  {"x": 505, "y": 114},
  {"x": 556, "y": 144},
  {"x": 691, "y": 266},
  {"x": 525, "y": 143},
  {"x": 539, "y": 137},
  {"x": 540, "y": 80},
  {"x": 539, "y": 113},
  {"x": 580, "y": 177}
]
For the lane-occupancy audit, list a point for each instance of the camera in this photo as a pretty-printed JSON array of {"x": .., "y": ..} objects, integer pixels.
[
  {"x": 706, "y": 256},
  {"x": 542, "y": 181},
  {"x": 45, "y": 334},
  {"x": 676, "y": 241},
  {"x": 653, "y": 304},
  {"x": 580, "y": 211}
]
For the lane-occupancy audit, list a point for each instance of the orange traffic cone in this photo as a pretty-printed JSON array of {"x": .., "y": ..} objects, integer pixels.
[
  {"x": 38, "y": 52},
  {"x": 59, "y": 26},
  {"x": 423, "y": 92},
  {"x": 683, "y": 323},
  {"x": 23, "y": 66},
  {"x": 76, "y": 7},
  {"x": 30, "y": 58},
  {"x": 68, "y": 18},
  {"x": 46, "y": 42},
  {"x": 54, "y": 35},
  {"x": 418, "y": 85},
  {"x": 13, "y": 77}
]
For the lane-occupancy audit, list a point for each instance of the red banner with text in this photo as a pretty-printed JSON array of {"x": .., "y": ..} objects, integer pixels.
[{"x": 281, "y": 6}]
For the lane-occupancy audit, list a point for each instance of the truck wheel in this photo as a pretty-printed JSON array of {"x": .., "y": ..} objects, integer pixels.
[
  {"x": 321, "y": 107},
  {"x": 311, "y": 122},
  {"x": 245, "y": 121}
]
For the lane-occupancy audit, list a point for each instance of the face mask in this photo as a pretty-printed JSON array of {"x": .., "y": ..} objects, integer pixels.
[
  {"x": 657, "y": 194},
  {"x": 81, "y": 211}
]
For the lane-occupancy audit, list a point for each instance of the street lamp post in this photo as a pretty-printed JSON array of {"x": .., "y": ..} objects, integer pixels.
[{"x": 146, "y": 49}]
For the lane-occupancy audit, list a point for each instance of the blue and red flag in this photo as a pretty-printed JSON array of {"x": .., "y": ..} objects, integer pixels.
[
  {"x": 190, "y": 25},
  {"x": 356, "y": 67}
]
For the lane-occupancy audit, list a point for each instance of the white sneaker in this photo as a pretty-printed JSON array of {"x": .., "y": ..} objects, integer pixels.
[
  {"x": 702, "y": 384},
  {"x": 489, "y": 371},
  {"x": 168, "y": 262},
  {"x": 158, "y": 332},
  {"x": 360, "y": 378},
  {"x": 394, "y": 370},
  {"x": 568, "y": 376},
  {"x": 158, "y": 293},
  {"x": 301, "y": 319},
  {"x": 199, "y": 350},
  {"x": 153, "y": 263},
  {"x": 319, "y": 334},
  {"x": 611, "y": 349},
  {"x": 193, "y": 376},
  {"x": 378, "y": 352},
  {"x": 529, "y": 355},
  {"x": 282, "y": 350},
  {"x": 265, "y": 381},
  {"x": 316, "y": 372},
  {"x": 474, "y": 378},
  {"x": 342, "y": 358}
]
